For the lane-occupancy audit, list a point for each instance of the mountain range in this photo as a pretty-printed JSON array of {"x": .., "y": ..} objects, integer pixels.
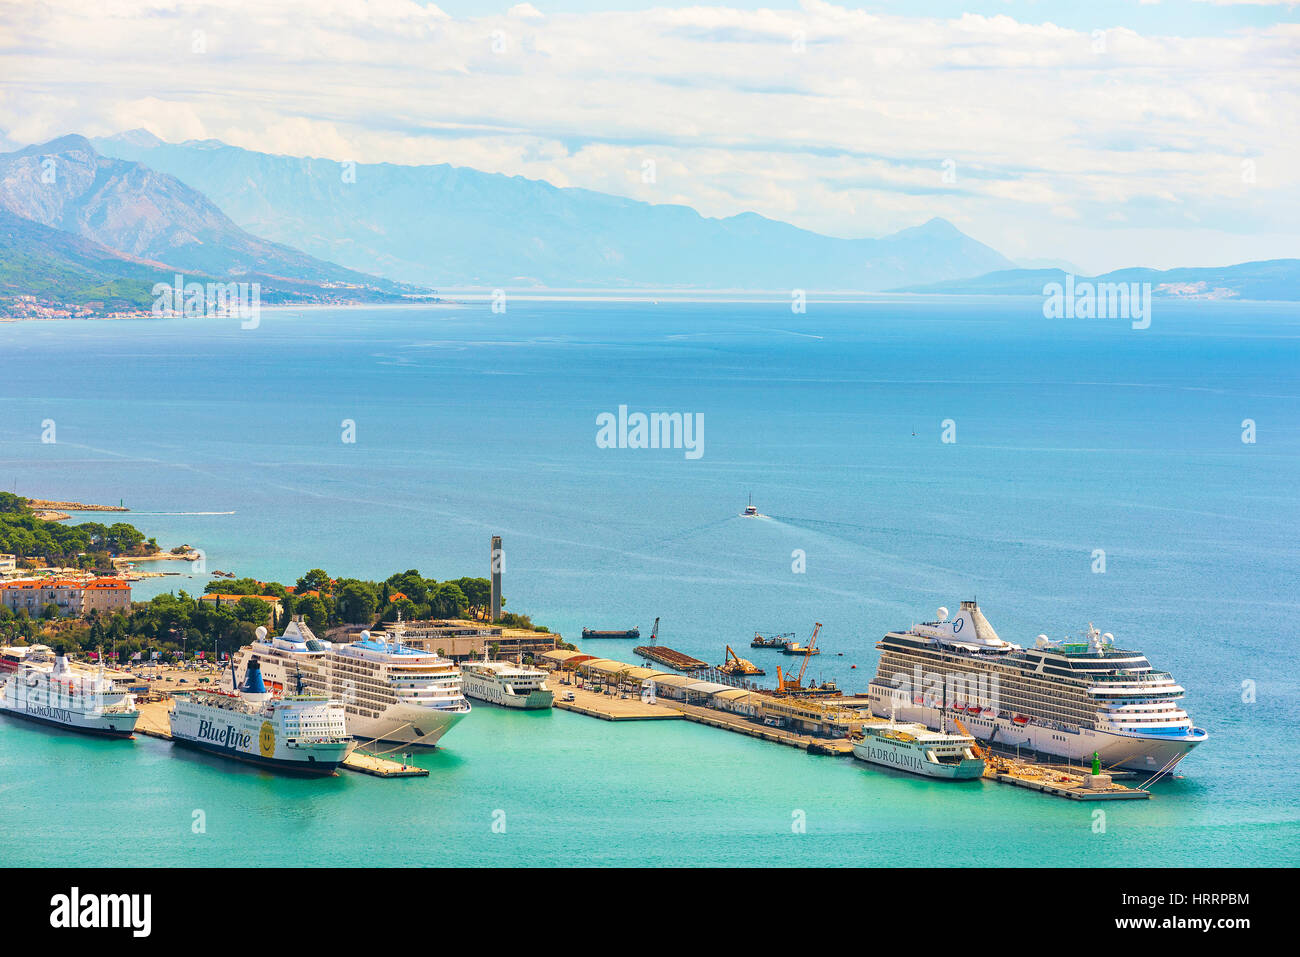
[
  {"x": 100, "y": 222},
  {"x": 1277, "y": 279},
  {"x": 71, "y": 214},
  {"x": 452, "y": 226}
]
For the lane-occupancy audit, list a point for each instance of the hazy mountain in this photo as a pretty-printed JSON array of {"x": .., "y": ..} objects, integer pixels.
[
  {"x": 126, "y": 206},
  {"x": 49, "y": 263},
  {"x": 445, "y": 225},
  {"x": 1277, "y": 279},
  {"x": 65, "y": 269}
]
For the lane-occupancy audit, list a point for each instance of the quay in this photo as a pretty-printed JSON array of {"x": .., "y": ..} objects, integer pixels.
[
  {"x": 731, "y": 722},
  {"x": 824, "y": 725},
  {"x": 1061, "y": 783},
  {"x": 611, "y": 707},
  {"x": 378, "y": 767}
]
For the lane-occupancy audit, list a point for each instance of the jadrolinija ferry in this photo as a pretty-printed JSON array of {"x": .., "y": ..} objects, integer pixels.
[
  {"x": 1064, "y": 699},
  {"x": 76, "y": 698},
  {"x": 389, "y": 691}
]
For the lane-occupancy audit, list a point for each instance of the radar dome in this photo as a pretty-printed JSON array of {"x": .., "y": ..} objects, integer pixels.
[
  {"x": 261, "y": 632},
  {"x": 365, "y": 635},
  {"x": 943, "y": 613}
]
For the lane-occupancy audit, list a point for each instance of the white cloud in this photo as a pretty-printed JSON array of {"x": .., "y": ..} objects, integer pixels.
[{"x": 844, "y": 132}]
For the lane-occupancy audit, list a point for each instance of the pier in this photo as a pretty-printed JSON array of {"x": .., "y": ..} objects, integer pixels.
[
  {"x": 378, "y": 767},
  {"x": 612, "y": 707}
]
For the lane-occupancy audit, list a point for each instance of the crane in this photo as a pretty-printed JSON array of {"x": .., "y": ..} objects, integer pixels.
[{"x": 786, "y": 683}]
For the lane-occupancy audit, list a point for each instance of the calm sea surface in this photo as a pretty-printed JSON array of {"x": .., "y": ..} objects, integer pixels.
[{"x": 1071, "y": 436}]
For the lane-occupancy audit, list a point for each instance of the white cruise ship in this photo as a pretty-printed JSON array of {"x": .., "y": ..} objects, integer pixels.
[
  {"x": 79, "y": 699},
  {"x": 298, "y": 733},
  {"x": 390, "y": 692},
  {"x": 915, "y": 748},
  {"x": 1067, "y": 699},
  {"x": 511, "y": 686}
]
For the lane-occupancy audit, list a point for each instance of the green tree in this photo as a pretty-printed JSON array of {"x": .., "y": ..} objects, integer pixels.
[{"x": 356, "y": 601}]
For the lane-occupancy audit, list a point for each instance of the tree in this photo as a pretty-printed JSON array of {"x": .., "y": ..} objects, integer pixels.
[
  {"x": 356, "y": 602},
  {"x": 313, "y": 611},
  {"x": 447, "y": 601},
  {"x": 315, "y": 580}
]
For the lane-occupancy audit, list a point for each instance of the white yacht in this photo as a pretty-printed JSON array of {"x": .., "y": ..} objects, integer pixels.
[
  {"x": 1067, "y": 699},
  {"x": 299, "y": 733},
  {"x": 511, "y": 686},
  {"x": 915, "y": 748},
  {"x": 58, "y": 693},
  {"x": 390, "y": 692}
]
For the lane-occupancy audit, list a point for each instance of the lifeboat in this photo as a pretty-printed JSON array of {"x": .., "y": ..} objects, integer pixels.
[{"x": 1020, "y": 719}]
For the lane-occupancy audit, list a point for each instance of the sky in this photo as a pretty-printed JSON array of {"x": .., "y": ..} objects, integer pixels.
[{"x": 1106, "y": 134}]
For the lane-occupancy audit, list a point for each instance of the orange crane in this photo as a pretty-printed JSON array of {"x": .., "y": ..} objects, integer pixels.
[
  {"x": 975, "y": 748},
  {"x": 786, "y": 684}
]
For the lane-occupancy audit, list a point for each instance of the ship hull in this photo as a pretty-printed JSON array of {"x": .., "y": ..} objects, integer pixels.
[
  {"x": 403, "y": 724},
  {"x": 309, "y": 768},
  {"x": 1127, "y": 752},
  {"x": 115, "y": 726}
]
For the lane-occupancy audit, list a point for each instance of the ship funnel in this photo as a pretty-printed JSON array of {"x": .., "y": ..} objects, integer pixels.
[{"x": 253, "y": 679}]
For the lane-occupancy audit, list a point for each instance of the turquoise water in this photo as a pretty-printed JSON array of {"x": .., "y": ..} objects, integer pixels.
[{"x": 1071, "y": 436}]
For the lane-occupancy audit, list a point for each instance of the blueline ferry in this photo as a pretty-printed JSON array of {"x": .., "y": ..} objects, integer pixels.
[{"x": 300, "y": 733}]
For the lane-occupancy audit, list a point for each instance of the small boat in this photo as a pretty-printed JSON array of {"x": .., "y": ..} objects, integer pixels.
[
  {"x": 751, "y": 510},
  {"x": 1020, "y": 719}
]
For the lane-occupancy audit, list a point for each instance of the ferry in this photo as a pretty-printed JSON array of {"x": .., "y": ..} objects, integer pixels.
[
  {"x": 511, "y": 686},
  {"x": 298, "y": 733},
  {"x": 389, "y": 692},
  {"x": 1063, "y": 699},
  {"x": 915, "y": 748},
  {"x": 79, "y": 699}
]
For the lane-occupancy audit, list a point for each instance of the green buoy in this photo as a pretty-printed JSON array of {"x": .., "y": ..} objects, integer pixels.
[{"x": 1096, "y": 763}]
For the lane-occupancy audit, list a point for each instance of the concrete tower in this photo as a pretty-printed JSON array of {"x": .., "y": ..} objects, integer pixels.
[{"x": 498, "y": 564}]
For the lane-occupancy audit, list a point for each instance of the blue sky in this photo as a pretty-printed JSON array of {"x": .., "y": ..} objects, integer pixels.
[{"x": 1106, "y": 134}]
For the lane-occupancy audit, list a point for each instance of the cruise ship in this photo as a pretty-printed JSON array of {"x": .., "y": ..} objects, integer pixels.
[
  {"x": 390, "y": 692},
  {"x": 511, "y": 686},
  {"x": 298, "y": 733},
  {"x": 915, "y": 748},
  {"x": 79, "y": 699},
  {"x": 1065, "y": 699}
]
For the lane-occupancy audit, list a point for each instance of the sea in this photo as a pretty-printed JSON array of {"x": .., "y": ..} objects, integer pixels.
[{"x": 905, "y": 453}]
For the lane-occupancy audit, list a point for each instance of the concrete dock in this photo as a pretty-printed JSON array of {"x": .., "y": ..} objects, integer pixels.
[
  {"x": 379, "y": 767},
  {"x": 734, "y": 722},
  {"x": 1061, "y": 783},
  {"x": 154, "y": 719},
  {"x": 610, "y": 707}
]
